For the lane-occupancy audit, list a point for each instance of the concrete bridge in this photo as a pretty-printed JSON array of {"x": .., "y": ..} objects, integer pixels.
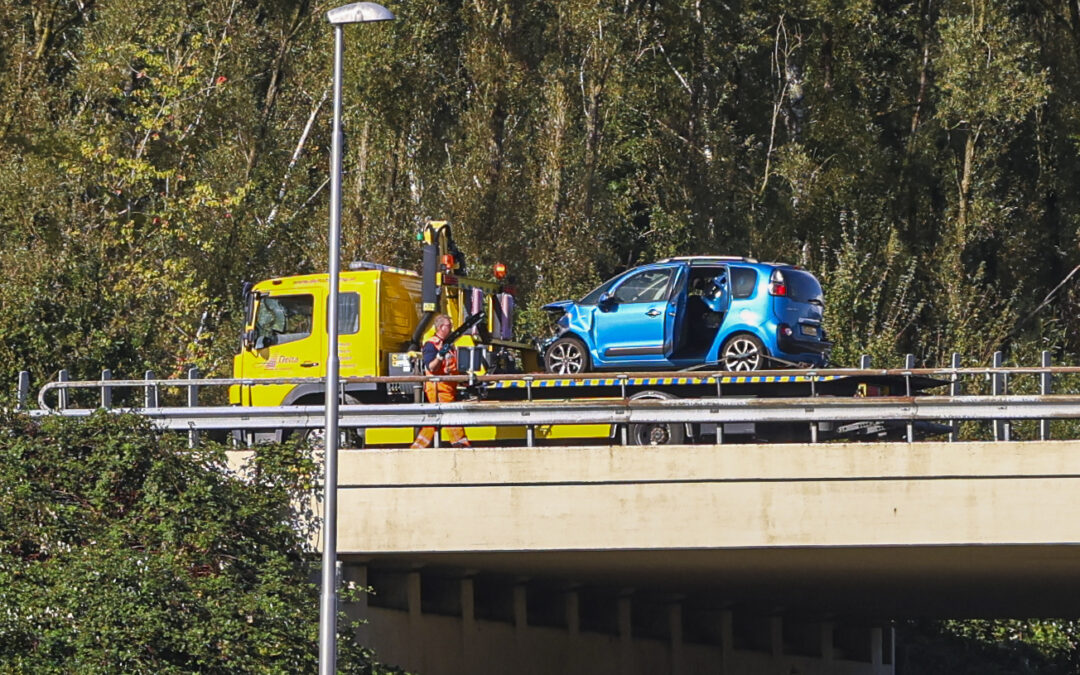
[{"x": 732, "y": 558}]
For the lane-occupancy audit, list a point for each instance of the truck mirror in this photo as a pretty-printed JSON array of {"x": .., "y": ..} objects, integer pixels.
[
  {"x": 249, "y": 339},
  {"x": 264, "y": 341}
]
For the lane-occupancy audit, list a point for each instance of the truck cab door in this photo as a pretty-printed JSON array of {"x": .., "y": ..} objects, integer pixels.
[
  {"x": 629, "y": 321},
  {"x": 284, "y": 343}
]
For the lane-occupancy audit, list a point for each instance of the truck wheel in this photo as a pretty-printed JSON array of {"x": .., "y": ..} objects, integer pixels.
[
  {"x": 347, "y": 438},
  {"x": 656, "y": 433},
  {"x": 742, "y": 352},
  {"x": 566, "y": 356}
]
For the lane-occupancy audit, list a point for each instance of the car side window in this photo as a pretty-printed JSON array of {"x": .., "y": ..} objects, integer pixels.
[
  {"x": 743, "y": 282},
  {"x": 645, "y": 286}
]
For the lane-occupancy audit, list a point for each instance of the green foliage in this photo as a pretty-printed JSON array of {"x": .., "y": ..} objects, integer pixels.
[
  {"x": 121, "y": 550},
  {"x": 155, "y": 156},
  {"x": 990, "y": 647}
]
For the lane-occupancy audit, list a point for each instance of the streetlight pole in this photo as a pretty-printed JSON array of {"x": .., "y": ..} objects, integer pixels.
[{"x": 357, "y": 12}]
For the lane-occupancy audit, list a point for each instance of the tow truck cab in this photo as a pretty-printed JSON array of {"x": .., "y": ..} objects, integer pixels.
[{"x": 384, "y": 317}]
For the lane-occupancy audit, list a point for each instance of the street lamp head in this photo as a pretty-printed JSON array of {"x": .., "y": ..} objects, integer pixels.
[{"x": 359, "y": 12}]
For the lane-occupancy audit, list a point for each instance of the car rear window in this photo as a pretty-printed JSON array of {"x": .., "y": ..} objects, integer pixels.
[{"x": 802, "y": 286}]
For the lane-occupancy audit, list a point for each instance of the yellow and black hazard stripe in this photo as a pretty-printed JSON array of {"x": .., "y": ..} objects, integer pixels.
[{"x": 663, "y": 381}]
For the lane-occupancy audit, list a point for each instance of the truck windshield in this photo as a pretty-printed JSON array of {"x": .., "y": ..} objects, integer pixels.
[{"x": 802, "y": 286}]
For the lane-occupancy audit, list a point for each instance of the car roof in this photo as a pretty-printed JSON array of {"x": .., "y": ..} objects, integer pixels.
[{"x": 707, "y": 258}]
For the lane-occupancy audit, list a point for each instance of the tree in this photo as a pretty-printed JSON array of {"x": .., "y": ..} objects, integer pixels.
[{"x": 121, "y": 550}]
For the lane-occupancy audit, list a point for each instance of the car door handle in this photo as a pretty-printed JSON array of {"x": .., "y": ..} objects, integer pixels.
[
  {"x": 653, "y": 312},
  {"x": 309, "y": 364}
]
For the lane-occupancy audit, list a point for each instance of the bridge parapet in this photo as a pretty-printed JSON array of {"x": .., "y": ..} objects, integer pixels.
[{"x": 887, "y": 529}]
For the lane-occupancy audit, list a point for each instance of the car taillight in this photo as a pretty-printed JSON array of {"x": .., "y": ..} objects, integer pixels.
[{"x": 776, "y": 284}]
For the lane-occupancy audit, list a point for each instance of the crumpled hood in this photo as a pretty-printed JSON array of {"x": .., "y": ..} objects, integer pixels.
[{"x": 558, "y": 307}]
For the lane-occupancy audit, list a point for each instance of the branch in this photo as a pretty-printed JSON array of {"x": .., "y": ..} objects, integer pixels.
[
  {"x": 296, "y": 156},
  {"x": 1045, "y": 302}
]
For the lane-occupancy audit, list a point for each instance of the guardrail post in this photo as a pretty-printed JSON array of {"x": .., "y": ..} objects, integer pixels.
[
  {"x": 624, "y": 428},
  {"x": 997, "y": 388},
  {"x": 106, "y": 390},
  {"x": 955, "y": 389},
  {"x": 151, "y": 399},
  {"x": 22, "y": 390},
  {"x": 529, "y": 429},
  {"x": 193, "y": 401},
  {"x": 62, "y": 394},
  {"x": 438, "y": 429},
  {"x": 1045, "y": 387},
  {"x": 909, "y": 364}
]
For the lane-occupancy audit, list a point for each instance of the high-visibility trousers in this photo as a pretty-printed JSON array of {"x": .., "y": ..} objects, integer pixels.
[{"x": 441, "y": 392}]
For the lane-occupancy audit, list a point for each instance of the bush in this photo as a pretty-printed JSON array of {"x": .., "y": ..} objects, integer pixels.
[{"x": 121, "y": 550}]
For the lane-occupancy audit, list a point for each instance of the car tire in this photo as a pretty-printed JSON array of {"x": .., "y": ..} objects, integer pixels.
[
  {"x": 566, "y": 356},
  {"x": 743, "y": 352}
]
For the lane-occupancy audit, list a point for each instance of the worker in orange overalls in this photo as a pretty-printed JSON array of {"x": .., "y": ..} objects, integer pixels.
[{"x": 440, "y": 358}]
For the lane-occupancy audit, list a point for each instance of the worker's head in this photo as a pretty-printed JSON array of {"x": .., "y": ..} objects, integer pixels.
[{"x": 443, "y": 325}]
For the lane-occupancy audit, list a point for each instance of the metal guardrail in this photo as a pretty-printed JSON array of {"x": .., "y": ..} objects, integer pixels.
[
  {"x": 642, "y": 411},
  {"x": 998, "y": 406}
]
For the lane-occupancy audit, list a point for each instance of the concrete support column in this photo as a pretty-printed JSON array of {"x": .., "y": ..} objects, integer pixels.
[
  {"x": 776, "y": 635},
  {"x": 573, "y": 613},
  {"x": 876, "y": 646},
  {"x": 675, "y": 628},
  {"x": 416, "y": 636},
  {"x": 354, "y": 576},
  {"x": 727, "y": 640},
  {"x": 521, "y": 625},
  {"x": 521, "y": 611},
  {"x": 827, "y": 628},
  {"x": 469, "y": 652},
  {"x": 626, "y": 637}
]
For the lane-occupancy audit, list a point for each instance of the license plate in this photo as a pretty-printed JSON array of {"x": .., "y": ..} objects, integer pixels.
[{"x": 808, "y": 330}]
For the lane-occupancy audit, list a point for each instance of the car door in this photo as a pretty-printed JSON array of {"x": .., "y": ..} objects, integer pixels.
[
  {"x": 675, "y": 315},
  {"x": 629, "y": 322}
]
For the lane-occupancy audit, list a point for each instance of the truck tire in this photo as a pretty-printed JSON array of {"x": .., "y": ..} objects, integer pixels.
[
  {"x": 566, "y": 356},
  {"x": 658, "y": 433},
  {"x": 742, "y": 352},
  {"x": 347, "y": 438}
]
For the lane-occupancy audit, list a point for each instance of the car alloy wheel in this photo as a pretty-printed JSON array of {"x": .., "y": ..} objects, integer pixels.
[
  {"x": 566, "y": 356},
  {"x": 743, "y": 352}
]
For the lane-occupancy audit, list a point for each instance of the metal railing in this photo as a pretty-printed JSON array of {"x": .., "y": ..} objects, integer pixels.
[{"x": 994, "y": 395}]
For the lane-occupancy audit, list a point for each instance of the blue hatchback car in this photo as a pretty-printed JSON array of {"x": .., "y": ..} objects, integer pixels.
[{"x": 732, "y": 313}]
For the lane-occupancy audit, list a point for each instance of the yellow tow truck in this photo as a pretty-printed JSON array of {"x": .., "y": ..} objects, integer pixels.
[{"x": 385, "y": 315}]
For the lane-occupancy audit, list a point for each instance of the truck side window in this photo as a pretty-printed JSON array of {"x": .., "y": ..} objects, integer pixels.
[
  {"x": 348, "y": 313},
  {"x": 743, "y": 282},
  {"x": 284, "y": 318}
]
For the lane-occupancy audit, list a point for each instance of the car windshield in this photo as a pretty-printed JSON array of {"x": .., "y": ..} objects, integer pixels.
[
  {"x": 594, "y": 295},
  {"x": 802, "y": 286}
]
